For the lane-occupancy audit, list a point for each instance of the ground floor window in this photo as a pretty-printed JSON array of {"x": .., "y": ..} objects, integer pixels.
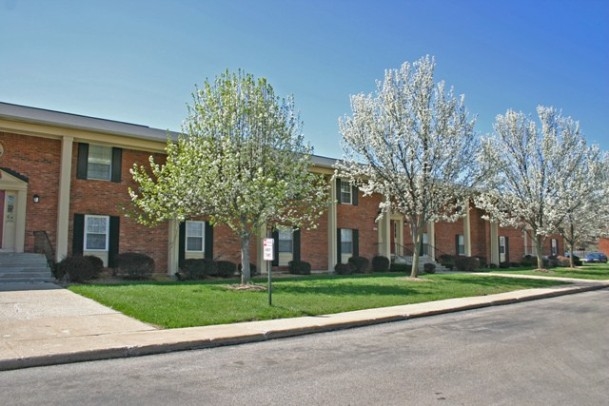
[
  {"x": 195, "y": 236},
  {"x": 97, "y": 231},
  {"x": 460, "y": 244}
]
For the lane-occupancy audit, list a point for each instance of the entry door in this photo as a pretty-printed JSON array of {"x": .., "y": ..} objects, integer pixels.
[{"x": 8, "y": 201}]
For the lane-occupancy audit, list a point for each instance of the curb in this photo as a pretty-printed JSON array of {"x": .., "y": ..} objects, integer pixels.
[{"x": 252, "y": 332}]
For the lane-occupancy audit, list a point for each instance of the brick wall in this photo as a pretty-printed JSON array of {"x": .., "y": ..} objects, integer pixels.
[
  {"x": 39, "y": 160},
  {"x": 361, "y": 217}
]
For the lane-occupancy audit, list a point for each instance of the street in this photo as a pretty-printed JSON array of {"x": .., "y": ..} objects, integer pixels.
[{"x": 546, "y": 352}]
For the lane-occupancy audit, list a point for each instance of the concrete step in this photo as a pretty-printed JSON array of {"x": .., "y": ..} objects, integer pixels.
[{"x": 24, "y": 267}]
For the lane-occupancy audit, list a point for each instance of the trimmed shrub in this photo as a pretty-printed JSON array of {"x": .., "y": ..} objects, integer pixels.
[
  {"x": 79, "y": 268},
  {"x": 400, "y": 267},
  {"x": 447, "y": 261},
  {"x": 380, "y": 264},
  {"x": 299, "y": 267},
  {"x": 467, "y": 264},
  {"x": 528, "y": 261},
  {"x": 493, "y": 266},
  {"x": 482, "y": 262},
  {"x": 133, "y": 265},
  {"x": 504, "y": 265},
  {"x": 226, "y": 269},
  {"x": 343, "y": 269},
  {"x": 198, "y": 268},
  {"x": 253, "y": 269},
  {"x": 429, "y": 267},
  {"x": 359, "y": 264}
]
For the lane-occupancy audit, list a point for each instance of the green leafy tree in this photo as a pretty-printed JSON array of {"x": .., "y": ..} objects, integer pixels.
[{"x": 241, "y": 161}]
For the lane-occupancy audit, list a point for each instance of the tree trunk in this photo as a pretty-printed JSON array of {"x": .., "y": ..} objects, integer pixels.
[
  {"x": 416, "y": 238},
  {"x": 245, "y": 259},
  {"x": 571, "y": 248},
  {"x": 539, "y": 249}
]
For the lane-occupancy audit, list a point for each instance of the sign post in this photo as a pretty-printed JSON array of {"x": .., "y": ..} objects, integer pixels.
[{"x": 268, "y": 252}]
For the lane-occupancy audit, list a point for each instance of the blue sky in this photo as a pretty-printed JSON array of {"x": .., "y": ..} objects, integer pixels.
[{"x": 139, "y": 61}]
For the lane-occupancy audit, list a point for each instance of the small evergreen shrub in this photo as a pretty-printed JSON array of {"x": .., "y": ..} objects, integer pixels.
[
  {"x": 429, "y": 267},
  {"x": 447, "y": 261},
  {"x": 343, "y": 269},
  {"x": 528, "y": 261},
  {"x": 400, "y": 267},
  {"x": 466, "y": 264},
  {"x": 380, "y": 264},
  {"x": 514, "y": 265},
  {"x": 504, "y": 265},
  {"x": 299, "y": 267},
  {"x": 199, "y": 268},
  {"x": 253, "y": 269},
  {"x": 482, "y": 262},
  {"x": 359, "y": 264},
  {"x": 79, "y": 268},
  {"x": 133, "y": 265},
  {"x": 226, "y": 269},
  {"x": 493, "y": 266}
]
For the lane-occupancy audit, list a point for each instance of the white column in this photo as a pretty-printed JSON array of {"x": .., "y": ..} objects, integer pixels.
[
  {"x": 467, "y": 234},
  {"x": 63, "y": 203},
  {"x": 494, "y": 243},
  {"x": 431, "y": 235},
  {"x": 332, "y": 225},
  {"x": 173, "y": 246}
]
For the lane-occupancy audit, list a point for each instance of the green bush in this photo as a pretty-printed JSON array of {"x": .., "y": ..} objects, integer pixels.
[
  {"x": 429, "y": 267},
  {"x": 447, "y": 261},
  {"x": 504, "y": 265},
  {"x": 343, "y": 269},
  {"x": 198, "y": 268},
  {"x": 79, "y": 268},
  {"x": 380, "y": 264},
  {"x": 253, "y": 269},
  {"x": 299, "y": 267},
  {"x": 133, "y": 265},
  {"x": 359, "y": 264},
  {"x": 226, "y": 269},
  {"x": 467, "y": 264},
  {"x": 400, "y": 267},
  {"x": 528, "y": 261}
]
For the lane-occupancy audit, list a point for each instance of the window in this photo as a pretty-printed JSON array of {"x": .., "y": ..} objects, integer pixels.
[
  {"x": 346, "y": 241},
  {"x": 99, "y": 162},
  {"x": 424, "y": 244},
  {"x": 97, "y": 231},
  {"x": 345, "y": 193},
  {"x": 554, "y": 247},
  {"x": 286, "y": 242},
  {"x": 195, "y": 234},
  {"x": 460, "y": 244}
]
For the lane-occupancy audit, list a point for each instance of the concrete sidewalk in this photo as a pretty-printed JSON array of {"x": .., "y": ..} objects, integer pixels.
[{"x": 44, "y": 324}]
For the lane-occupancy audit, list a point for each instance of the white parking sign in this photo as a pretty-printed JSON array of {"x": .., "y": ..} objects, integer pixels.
[{"x": 268, "y": 249}]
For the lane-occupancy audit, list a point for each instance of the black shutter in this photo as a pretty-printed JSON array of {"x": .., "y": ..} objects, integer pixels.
[
  {"x": 78, "y": 234},
  {"x": 114, "y": 239},
  {"x": 117, "y": 160},
  {"x": 355, "y": 235},
  {"x": 275, "y": 236},
  {"x": 338, "y": 246},
  {"x": 209, "y": 241},
  {"x": 83, "y": 161},
  {"x": 354, "y": 190},
  {"x": 507, "y": 250},
  {"x": 296, "y": 245},
  {"x": 181, "y": 244},
  {"x": 456, "y": 244},
  {"x": 338, "y": 194}
]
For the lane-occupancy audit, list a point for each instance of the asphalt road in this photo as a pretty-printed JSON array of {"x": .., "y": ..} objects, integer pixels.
[{"x": 547, "y": 352}]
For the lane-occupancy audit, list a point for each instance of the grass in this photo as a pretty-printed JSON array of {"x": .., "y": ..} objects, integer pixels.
[
  {"x": 592, "y": 271},
  {"x": 187, "y": 304}
]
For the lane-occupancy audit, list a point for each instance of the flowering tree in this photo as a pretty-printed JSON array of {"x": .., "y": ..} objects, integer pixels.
[
  {"x": 586, "y": 201},
  {"x": 412, "y": 142},
  {"x": 535, "y": 172},
  {"x": 241, "y": 162}
]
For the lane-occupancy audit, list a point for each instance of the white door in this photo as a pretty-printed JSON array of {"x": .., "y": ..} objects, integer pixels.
[{"x": 9, "y": 221}]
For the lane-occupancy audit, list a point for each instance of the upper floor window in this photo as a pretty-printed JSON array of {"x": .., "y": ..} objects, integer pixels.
[
  {"x": 347, "y": 193},
  {"x": 99, "y": 162}
]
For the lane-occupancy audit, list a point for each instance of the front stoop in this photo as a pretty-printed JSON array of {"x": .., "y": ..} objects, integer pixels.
[{"x": 24, "y": 267}]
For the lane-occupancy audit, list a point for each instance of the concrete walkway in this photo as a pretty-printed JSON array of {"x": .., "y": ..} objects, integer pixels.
[{"x": 44, "y": 324}]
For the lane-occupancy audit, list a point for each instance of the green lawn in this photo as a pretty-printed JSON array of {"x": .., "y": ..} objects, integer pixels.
[
  {"x": 186, "y": 304},
  {"x": 586, "y": 271}
]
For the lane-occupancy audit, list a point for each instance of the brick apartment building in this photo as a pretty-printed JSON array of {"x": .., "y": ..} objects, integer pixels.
[{"x": 64, "y": 181}]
